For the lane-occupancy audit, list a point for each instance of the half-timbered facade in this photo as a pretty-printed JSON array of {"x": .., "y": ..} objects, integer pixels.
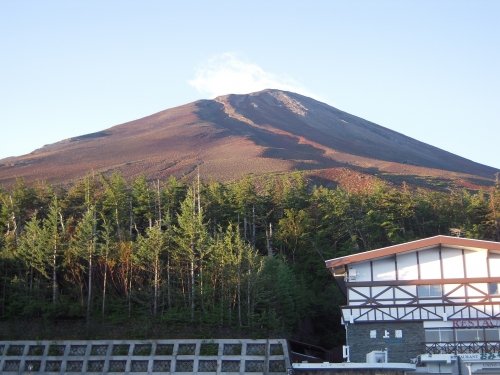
[{"x": 439, "y": 295}]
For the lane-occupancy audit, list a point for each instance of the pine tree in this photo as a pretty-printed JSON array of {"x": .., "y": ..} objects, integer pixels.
[
  {"x": 143, "y": 205},
  {"x": 151, "y": 248},
  {"x": 32, "y": 250},
  {"x": 83, "y": 246},
  {"x": 117, "y": 204},
  {"x": 54, "y": 231},
  {"x": 192, "y": 239}
]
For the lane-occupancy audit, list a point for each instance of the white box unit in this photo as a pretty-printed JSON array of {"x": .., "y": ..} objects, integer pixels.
[
  {"x": 376, "y": 356},
  {"x": 345, "y": 353}
]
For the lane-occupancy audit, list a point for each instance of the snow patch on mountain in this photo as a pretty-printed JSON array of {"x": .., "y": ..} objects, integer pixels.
[{"x": 290, "y": 103}]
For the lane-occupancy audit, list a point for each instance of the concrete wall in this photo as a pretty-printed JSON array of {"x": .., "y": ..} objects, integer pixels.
[
  {"x": 143, "y": 357},
  {"x": 404, "y": 341},
  {"x": 349, "y": 372}
]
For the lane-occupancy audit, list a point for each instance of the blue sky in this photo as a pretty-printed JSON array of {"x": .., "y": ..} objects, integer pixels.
[{"x": 428, "y": 69}]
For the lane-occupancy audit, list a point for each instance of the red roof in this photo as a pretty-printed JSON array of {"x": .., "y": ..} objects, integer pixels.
[{"x": 412, "y": 246}]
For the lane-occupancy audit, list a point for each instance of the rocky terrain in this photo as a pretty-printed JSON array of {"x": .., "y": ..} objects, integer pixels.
[{"x": 262, "y": 133}]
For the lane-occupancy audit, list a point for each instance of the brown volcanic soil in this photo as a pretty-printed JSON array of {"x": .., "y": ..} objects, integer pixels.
[{"x": 236, "y": 135}]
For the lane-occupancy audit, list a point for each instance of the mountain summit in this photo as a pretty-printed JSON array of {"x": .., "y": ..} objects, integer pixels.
[{"x": 231, "y": 136}]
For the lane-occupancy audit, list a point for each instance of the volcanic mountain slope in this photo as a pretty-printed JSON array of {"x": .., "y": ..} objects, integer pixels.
[{"x": 235, "y": 135}]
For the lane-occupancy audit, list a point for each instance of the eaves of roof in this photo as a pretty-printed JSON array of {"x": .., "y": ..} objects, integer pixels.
[{"x": 412, "y": 246}]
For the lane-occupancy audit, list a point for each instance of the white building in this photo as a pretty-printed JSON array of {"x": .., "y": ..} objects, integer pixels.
[{"x": 434, "y": 301}]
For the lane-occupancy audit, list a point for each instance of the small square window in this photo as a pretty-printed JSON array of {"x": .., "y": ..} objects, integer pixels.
[
  {"x": 434, "y": 290},
  {"x": 493, "y": 288},
  {"x": 431, "y": 335},
  {"x": 439, "y": 335},
  {"x": 446, "y": 335}
]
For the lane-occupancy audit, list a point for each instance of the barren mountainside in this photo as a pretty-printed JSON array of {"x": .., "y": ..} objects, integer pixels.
[{"x": 270, "y": 131}]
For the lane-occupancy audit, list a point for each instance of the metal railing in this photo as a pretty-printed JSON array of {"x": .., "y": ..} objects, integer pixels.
[{"x": 462, "y": 347}]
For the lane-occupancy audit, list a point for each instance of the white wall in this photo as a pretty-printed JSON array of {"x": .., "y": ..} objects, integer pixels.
[
  {"x": 430, "y": 265},
  {"x": 407, "y": 266},
  {"x": 384, "y": 269},
  {"x": 453, "y": 263},
  {"x": 476, "y": 263},
  {"x": 362, "y": 271},
  {"x": 494, "y": 260}
]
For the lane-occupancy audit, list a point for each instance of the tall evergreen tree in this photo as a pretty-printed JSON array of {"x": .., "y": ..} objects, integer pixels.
[
  {"x": 32, "y": 251},
  {"x": 151, "y": 248},
  {"x": 54, "y": 230},
  {"x": 192, "y": 240},
  {"x": 143, "y": 205},
  {"x": 83, "y": 246},
  {"x": 117, "y": 204}
]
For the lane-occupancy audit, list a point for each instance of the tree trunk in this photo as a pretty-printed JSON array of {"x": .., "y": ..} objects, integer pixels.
[
  {"x": 159, "y": 201},
  {"x": 54, "y": 275},
  {"x": 130, "y": 290},
  {"x": 31, "y": 280},
  {"x": 249, "y": 310},
  {"x": 245, "y": 228},
  {"x": 191, "y": 272},
  {"x": 169, "y": 296},
  {"x": 222, "y": 300},
  {"x": 91, "y": 255},
  {"x": 253, "y": 226},
  {"x": 202, "y": 302},
  {"x": 240, "y": 323},
  {"x": 89, "y": 293},
  {"x": 104, "y": 281},
  {"x": 269, "y": 241},
  {"x": 156, "y": 286}
]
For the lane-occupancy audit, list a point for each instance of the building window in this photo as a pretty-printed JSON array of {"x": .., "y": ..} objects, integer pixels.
[
  {"x": 491, "y": 334},
  {"x": 470, "y": 335},
  {"x": 434, "y": 290},
  {"x": 493, "y": 288},
  {"x": 439, "y": 335},
  {"x": 431, "y": 335}
]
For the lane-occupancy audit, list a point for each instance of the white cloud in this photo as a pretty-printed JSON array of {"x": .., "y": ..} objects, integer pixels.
[{"x": 227, "y": 74}]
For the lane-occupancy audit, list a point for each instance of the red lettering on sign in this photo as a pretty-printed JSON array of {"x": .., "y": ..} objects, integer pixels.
[{"x": 473, "y": 323}]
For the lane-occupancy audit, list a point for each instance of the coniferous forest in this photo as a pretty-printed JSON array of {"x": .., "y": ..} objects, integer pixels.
[{"x": 244, "y": 258}]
